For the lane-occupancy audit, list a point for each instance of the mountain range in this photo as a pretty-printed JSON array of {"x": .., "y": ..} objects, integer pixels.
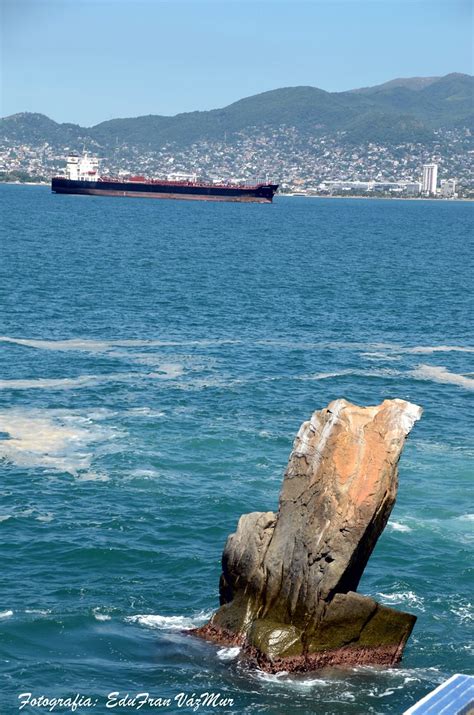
[{"x": 401, "y": 110}]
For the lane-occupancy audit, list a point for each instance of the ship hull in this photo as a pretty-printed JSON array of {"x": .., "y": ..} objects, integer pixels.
[{"x": 154, "y": 190}]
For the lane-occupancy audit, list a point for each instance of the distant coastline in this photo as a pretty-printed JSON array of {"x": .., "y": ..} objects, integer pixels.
[
  {"x": 298, "y": 196},
  {"x": 378, "y": 198},
  {"x": 26, "y": 183}
]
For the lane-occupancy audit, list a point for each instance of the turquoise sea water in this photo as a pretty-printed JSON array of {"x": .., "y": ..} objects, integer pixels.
[{"x": 156, "y": 361}]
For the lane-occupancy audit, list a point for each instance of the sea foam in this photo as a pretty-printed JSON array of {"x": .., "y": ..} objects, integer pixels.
[
  {"x": 54, "y": 439},
  {"x": 437, "y": 373}
]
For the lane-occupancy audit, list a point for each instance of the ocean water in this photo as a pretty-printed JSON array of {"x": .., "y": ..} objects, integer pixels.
[{"x": 156, "y": 361}]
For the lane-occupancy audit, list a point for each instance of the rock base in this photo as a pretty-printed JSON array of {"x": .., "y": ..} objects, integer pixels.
[
  {"x": 375, "y": 639},
  {"x": 339, "y": 657}
]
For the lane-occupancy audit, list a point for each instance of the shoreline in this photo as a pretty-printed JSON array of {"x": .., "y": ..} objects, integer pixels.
[
  {"x": 25, "y": 183},
  {"x": 294, "y": 196},
  {"x": 377, "y": 198}
]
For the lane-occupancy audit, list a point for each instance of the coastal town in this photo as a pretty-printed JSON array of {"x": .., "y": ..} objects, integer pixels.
[{"x": 300, "y": 164}]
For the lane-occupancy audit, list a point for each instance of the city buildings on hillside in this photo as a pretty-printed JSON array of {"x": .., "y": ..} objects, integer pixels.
[
  {"x": 427, "y": 187},
  {"x": 299, "y": 163}
]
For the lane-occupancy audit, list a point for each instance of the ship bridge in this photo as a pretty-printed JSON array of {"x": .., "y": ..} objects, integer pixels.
[{"x": 82, "y": 168}]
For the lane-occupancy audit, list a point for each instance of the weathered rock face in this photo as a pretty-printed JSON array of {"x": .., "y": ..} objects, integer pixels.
[{"x": 288, "y": 583}]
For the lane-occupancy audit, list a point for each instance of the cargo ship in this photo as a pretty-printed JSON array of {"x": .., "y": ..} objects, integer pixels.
[{"x": 82, "y": 177}]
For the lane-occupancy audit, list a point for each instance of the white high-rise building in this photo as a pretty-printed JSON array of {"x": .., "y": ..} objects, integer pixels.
[
  {"x": 429, "y": 180},
  {"x": 448, "y": 188}
]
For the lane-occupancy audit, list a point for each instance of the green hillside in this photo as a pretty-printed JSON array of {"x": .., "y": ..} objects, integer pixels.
[{"x": 397, "y": 111}]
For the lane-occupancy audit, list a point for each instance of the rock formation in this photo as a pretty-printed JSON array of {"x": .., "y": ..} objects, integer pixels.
[{"x": 289, "y": 579}]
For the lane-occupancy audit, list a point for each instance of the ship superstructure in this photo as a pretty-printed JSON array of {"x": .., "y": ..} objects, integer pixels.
[{"x": 82, "y": 168}]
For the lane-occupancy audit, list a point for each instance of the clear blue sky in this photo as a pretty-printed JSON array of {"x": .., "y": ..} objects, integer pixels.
[{"x": 86, "y": 61}]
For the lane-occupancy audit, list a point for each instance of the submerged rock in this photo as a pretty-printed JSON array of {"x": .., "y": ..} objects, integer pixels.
[{"x": 289, "y": 579}]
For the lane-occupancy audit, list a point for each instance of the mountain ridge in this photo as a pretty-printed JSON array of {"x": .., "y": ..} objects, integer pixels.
[{"x": 403, "y": 109}]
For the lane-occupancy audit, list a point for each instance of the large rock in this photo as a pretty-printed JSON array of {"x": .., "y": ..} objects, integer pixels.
[{"x": 289, "y": 580}]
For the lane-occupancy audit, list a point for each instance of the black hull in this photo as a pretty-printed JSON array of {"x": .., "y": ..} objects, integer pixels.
[{"x": 259, "y": 194}]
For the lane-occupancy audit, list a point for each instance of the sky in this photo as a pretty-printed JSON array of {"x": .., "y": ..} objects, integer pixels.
[{"x": 86, "y": 61}]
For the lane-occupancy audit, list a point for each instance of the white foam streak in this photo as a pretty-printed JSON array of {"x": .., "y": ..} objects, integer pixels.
[
  {"x": 100, "y": 346},
  {"x": 73, "y": 344},
  {"x": 379, "y": 356},
  {"x": 145, "y": 412},
  {"x": 63, "y": 383},
  {"x": 437, "y": 373},
  {"x": 326, "y": 375},
  {"x": 427, "y": 350},
  {"x": 6, "y": 614},
  {"x": 168, "y": 371},
  {"x": 368, "y": 372}
]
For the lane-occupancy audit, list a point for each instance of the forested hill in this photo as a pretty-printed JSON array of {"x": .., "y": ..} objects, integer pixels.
[{"x": 401, "y": 110}]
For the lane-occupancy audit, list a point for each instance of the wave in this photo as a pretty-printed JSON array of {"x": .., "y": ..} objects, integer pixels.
[
  {"x": 464, "y": 612},
  {"x": 170, "y": 623},
  {"x": 437, "y": 373},
  {"x": 91, "y": 476},
  {"x": 228, "y": 653},
  {"x": 6, "y": 614},
  {"x": 466, "y": 517},
  {"x": 45, "y": 517},
  {"x": 55, "y": 439},
  {"x": 408, "y": 598},
  {"x": 271, "y": 677},
  {"x": 397, "y": 526},
  {"x": 38, "y": 611},
  {"x": 142, "y": 474},
  {"x": 145, "y": 412},
  {"x": 101, "y": 616}
]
